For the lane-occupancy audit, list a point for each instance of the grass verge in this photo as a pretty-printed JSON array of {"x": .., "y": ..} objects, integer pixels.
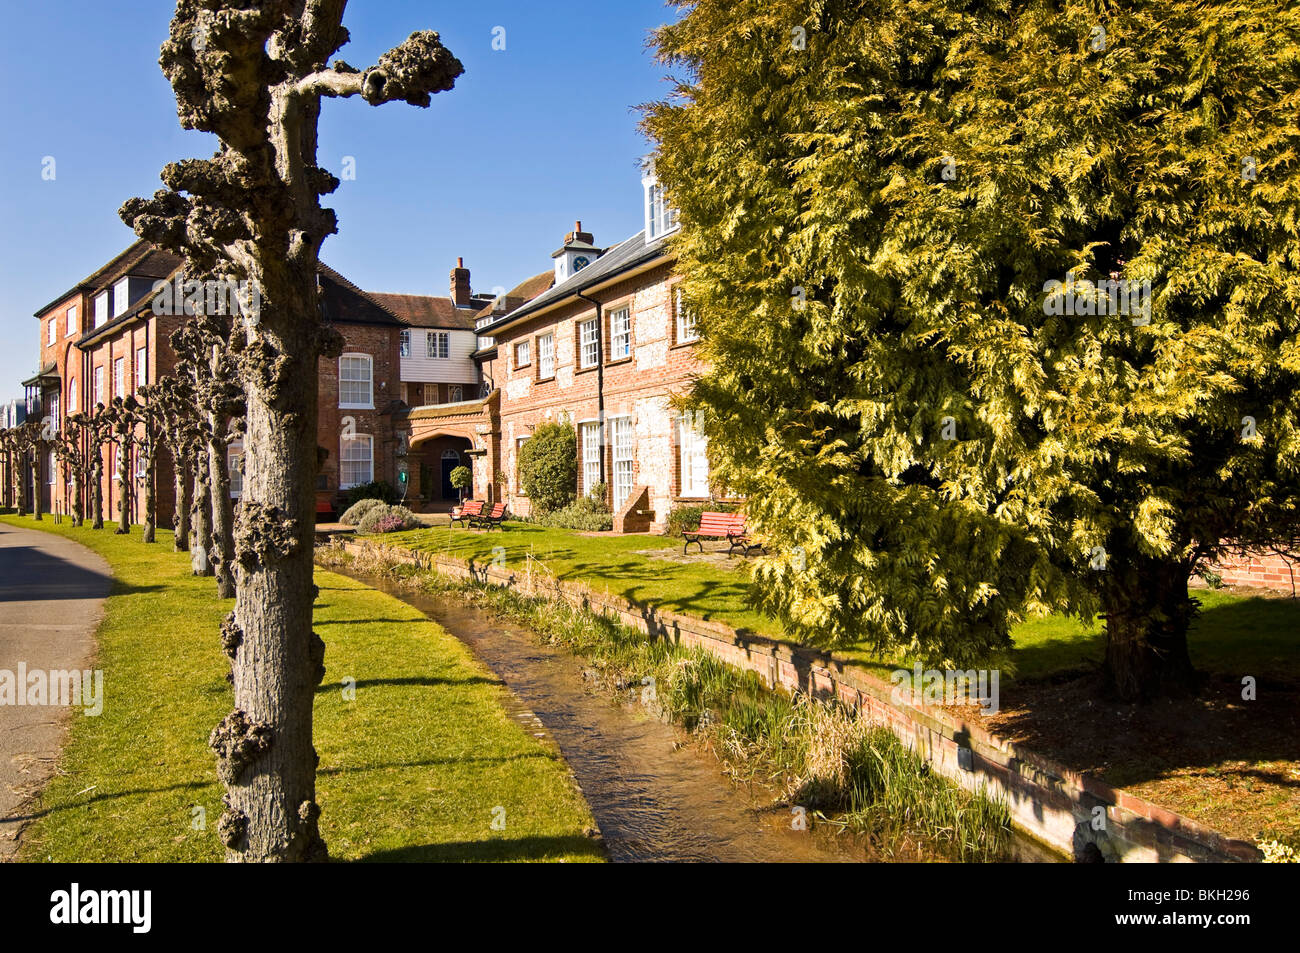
[{"x": 416, "y": 768}]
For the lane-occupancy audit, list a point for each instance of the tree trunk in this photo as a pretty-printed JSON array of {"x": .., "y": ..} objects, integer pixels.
[
  {"x": 181, "y": 513},
  {"x": 97, "y": 488},
  {"x": 201, "y": 509},
  {"x": 124, "y": 488},
  {"x": 78, "y": 510},
  {"x": 223, "y": 520},
  {"x": 266, "y": 757},
  {"x": 1148, "y": 611},
  {"x": 150, "y": 503},
  {"x": 36, "y": 484}
]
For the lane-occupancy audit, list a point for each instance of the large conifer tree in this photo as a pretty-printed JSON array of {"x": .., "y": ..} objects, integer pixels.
[{"x": 876, "y": 198}]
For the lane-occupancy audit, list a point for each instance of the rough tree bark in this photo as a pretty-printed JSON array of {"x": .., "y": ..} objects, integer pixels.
[
  {"x": 201, "y": 514},
  {"x": 254, "y": 76}
]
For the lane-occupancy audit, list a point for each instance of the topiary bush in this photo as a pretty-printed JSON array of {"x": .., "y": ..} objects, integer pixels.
[
  {"x": 357, "y": 510},
  {"x": 462, "y": 478},
  {"x": 387, "y": 519},
  {"x": 548, "y": 467},
  {"x": 374, "y": 490}
]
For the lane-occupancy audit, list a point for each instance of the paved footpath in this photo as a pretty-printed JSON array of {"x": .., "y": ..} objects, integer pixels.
[{"x": 51, "y": 600}]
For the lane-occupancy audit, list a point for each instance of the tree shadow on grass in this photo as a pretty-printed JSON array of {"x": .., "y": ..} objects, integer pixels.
[
  {"x": 517, "y": 849},
  {"x": 427, "y": 681}
]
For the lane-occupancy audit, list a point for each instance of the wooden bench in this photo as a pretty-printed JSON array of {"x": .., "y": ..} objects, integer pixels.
[
  {"x": 466, "y": 511},
  {"x": 492, "y": 518},
  {"x": 728, "y": 526}
]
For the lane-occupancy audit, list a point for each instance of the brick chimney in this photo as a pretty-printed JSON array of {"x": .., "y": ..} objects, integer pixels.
[
  {"x": 460, "y": 293},
  {"x": 578, "y": 235}
]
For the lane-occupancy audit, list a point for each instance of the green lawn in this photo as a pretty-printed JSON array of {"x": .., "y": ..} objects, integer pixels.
[
  {"x": 413, "y": 769},
  {"x": 1233, "y": 633}
]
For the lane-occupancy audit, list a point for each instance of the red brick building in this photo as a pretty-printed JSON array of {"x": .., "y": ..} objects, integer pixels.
[{"x": 103, "y": 339}]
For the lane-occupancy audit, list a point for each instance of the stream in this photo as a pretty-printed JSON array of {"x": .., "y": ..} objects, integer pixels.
[{"x": 654, "y": 796}]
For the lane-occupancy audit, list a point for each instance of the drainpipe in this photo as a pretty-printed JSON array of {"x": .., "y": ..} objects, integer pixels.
[{"x": 600, "y": 378}]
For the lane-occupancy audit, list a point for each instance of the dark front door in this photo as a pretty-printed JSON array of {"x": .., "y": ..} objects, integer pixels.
[{"x": 450, "y": 461}]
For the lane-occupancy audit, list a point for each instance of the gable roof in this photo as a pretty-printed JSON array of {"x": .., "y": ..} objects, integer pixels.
[
  {"x": 520, "y": 294},
  {"x": 141, "y": 259},
  {"x": 426, "y": 311}
]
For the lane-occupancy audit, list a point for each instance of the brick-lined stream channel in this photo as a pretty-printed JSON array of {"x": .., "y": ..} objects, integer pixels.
[{"x": 654, "y": 797}]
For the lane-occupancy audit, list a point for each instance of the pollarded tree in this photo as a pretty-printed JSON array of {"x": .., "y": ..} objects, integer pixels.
[
  {"x": 181, "y": 435},
  {"x": 919, "y": 238},
  {"x": 207, "y": 358},
  {"x": 120, "y": 415},
  {"x": 99, "y": 431},
  {"x": 253, "y": 73},
  {"x": 74, "y": 439}
]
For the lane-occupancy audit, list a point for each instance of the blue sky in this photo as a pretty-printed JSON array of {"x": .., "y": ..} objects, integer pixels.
[{"x": 532, "y": 138}]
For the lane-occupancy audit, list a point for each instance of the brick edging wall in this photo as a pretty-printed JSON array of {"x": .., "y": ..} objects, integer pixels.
[
  {"x": 1259, "y": 571},
  {"x": 1047, "y": 801}
]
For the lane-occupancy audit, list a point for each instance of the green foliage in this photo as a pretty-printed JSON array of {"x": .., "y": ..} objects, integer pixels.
[
  {"x": 354, "y": 513},
  {"x": 862, "y": 298},
  {"x": 462, "y": 478},
  {"x": 374, "y": 490},
  {"x": 589, "y": 513},
  {"x": 548, "y": 466}
]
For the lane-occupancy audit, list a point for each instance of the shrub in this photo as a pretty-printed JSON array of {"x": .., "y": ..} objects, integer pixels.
[
  {"x": 374, "y": 490},
  {"x": 548, "y": 466},
  {"x": 357, "y": 510},
  {"x": 387, "y": 519},
  {"x": 589, "y": 514}
]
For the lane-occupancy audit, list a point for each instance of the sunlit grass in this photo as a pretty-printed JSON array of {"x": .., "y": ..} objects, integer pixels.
[{"x": 415, "y": 768}]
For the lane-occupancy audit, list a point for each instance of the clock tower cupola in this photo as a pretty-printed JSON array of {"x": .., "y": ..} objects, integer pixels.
[{"x": 575, "y": 254}]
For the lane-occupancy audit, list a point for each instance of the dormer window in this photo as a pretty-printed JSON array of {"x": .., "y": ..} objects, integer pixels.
[
  {"x": 121, "y": 294},
  {"x": 101, "y": 308},
  {"x": 660, "y": 216}
]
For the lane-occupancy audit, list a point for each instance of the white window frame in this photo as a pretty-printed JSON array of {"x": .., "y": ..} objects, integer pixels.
[
  {"x": 437, "y": 345},
  {"x": 101, "y": 309},
  {"x": 99, "y": 384},
  {"x": 52, "y": 332},
  {"x": 622, "y": 438},
  {"x": 141, "y": 367},
  {"x": 71, "y": 317},
  {"x": 687, "y": 329},
  {"x": 347, "y": 443},
  {"x": 121, "y": 297},
  {"x": 404, "y": 344},
  {"x": 620, "y": 333},
  {"x": 54, "y": 411},
  {"x": 588, "y": 340},
  {"x": 72, "y": 395},
  {"x": 523, "y": 353},
  {"x": 52, "y": 464},
  {"x": 369, "y": 380},
  {"x": 592, "y": 447},
  {"x": 693, "y": 461},
  {"x": 546, "y": 355},
  {"x": 119, "y": 377}
]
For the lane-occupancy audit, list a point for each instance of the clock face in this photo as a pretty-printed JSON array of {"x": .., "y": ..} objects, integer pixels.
[{"x": 580, "y": 263}]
